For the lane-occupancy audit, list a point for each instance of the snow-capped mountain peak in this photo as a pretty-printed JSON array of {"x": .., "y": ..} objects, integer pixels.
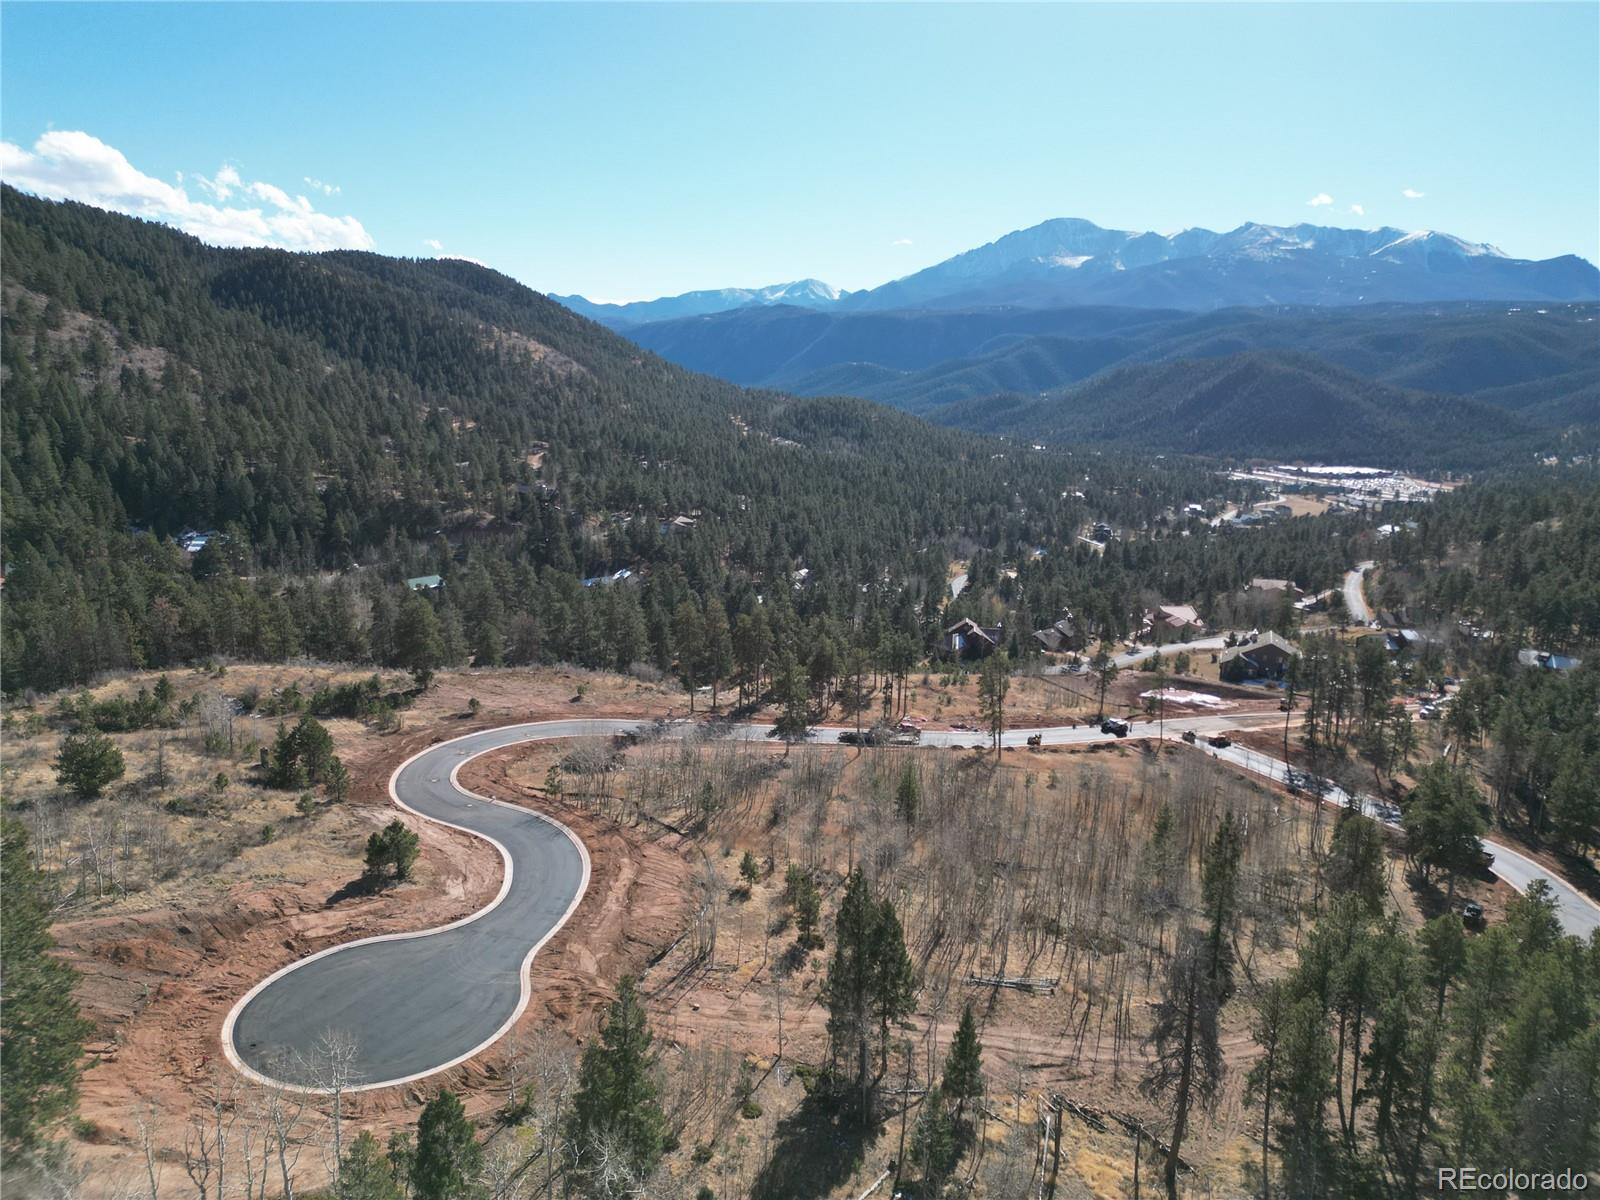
[
  {"x": 1070, "y": 261},
  {"x": 1431, "y": 242}
]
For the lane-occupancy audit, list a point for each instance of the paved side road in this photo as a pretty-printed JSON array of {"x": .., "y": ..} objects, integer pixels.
[
  {"x": 1355, "y": 597},
  {"x": 422, "y": 1002},
  {"x": 1578, "y": 914}
]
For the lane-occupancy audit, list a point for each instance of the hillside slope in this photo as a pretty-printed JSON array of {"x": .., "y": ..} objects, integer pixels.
[
  {"x": 1541, "y": 363},
  {"x": 334, "y": 424},
  {"x": 1266, "y": 405}
]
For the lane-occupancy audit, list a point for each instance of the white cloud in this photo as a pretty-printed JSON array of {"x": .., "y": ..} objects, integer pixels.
[
  {"x": 221, "y": 185},
  {"x": 316, "y": 185},
  {"x": 73, "y": 165},
  {"x": 1320, "y": 199},
  {"x": 901, "y": 242},
  {"x": 1358, "y": 210},
  {"x": 1412, "y": 194},
  {"x": 433, "y": 244}
]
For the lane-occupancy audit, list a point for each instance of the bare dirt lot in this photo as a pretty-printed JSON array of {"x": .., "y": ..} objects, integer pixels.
[
  {"x": 1022, "y": 870},
  {"x": 749, "y": 993},
  {"x": 194, "y": 902}
]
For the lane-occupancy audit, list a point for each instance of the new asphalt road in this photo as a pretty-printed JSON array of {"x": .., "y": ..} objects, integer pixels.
[{"x": 418, "y": 1003}]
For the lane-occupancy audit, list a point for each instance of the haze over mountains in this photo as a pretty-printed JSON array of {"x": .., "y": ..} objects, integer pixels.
[
  {"x": 806, "y": 293},
  {"x": 1068, "y": 261},
  {"x": 1360, "y": 344}
]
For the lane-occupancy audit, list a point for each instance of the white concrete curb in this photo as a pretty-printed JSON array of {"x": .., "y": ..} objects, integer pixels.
[{"x": 505, "y": 886}]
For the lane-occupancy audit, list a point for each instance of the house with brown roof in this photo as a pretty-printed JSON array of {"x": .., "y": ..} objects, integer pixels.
[
  {"x": 1172, "y": 623},
  {"x": 1269, "y": 586},
  {"x": 967, "y": 639}
]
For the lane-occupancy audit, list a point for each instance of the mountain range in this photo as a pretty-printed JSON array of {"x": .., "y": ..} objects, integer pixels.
[
  {"x": 1431, "y": 350},
  {"x": 803, "y": 293},
  {"x": 1069, "y": 261}
]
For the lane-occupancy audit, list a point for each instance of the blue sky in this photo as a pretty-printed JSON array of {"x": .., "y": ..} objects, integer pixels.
[{"x": 625, "y": 152}]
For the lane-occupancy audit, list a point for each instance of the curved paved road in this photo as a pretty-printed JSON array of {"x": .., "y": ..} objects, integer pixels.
[
  {"x": 422, "y": 1002},
  {"x": 417, "y": 1003},
  {"x": 1355, "y": 596}
]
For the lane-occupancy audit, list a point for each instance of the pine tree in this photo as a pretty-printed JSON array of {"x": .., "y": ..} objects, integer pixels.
[
  {"x": 847, "y": 988},
  {"x": 394, "y": 848},
  {"x": 894, "y": 983},
  {"x": 40, "y": 1029},
  {"x": 907, "y": 795},
  {"x": 448, "y": 1158},
  {"x": 87, "y": 762},
  {"x": 717, "y": 646},
  {"x": 807, "y": 911},
  {"x": 994, "y": 682},
  {"x": 1356, "y": 859},
  {"x": 1442, "y": 822},
  {"x": 1188, "y": 1059},
  {"x": 1271, "y": 1011},
  {"x": 1304, "y": 1083},
  {"x": 616, "y": 1109},
  {"x": 1103, "y": 666},
  {"x": 418, "y": 639},
  {"x": 935, "y": 1143},
  {"x": 794, "y": 716},
  {"x": 870, "y": 983},
  {"x": 963, "y": 1065},
  {"x": 367, "y": 1172},
  {"x": 689, "y": 640}
]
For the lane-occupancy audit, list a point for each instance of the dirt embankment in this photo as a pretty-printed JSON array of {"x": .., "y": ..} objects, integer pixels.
[{"x": 160, "y": 978}]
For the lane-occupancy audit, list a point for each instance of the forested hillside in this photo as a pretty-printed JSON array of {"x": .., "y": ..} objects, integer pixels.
[
  {"x": 974, "y": 368},
  {"x": 1521, "y": 558},
  {"x": 342, "y": 422},
  {"x": 1273, "y": 405}
]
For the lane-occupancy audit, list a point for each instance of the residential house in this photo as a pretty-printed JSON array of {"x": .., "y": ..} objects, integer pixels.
[
  {"x": 1406, "y": 641},
  {"x": 425, "y": 583},
  {"x": 1172, "y": 623},
  {"x": 1546, "y": 661},
  {"x": 1066, "y": 635},
  {"x": 1265, "y": 586},
  {"x": 1266, "y": 657},
  {"x": 967, "y": 639},
  {"x": 192, "y": 541}
]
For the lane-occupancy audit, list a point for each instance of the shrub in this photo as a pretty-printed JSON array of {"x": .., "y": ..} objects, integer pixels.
[
  {"x": 87, "y": 762},
  {"x": 391, "y": 853}
]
